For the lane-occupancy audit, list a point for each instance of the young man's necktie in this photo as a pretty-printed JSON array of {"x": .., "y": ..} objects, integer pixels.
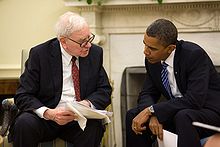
[
  {"x": 75, "y": 76},
  {"x": 164, "y": 78}
]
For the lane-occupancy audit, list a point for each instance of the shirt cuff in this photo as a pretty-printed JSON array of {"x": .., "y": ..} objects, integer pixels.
[{"x": 40, "y": 111}]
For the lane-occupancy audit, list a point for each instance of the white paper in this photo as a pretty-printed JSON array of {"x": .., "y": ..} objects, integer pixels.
[
  {"x": 169, "y": 139},
  {"x": 85, "y": 112}
]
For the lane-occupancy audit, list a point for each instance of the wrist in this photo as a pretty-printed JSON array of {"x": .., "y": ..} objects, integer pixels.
[
  {"x": 147, "y": 111},
  {"x": 47, "y": 115}
]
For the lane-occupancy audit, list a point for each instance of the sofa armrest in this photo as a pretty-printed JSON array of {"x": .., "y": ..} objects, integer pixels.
[{"x": 9, "y": 112}]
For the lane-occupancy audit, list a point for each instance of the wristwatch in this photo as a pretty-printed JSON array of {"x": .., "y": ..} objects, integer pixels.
[{"x": 151, "y": 109}]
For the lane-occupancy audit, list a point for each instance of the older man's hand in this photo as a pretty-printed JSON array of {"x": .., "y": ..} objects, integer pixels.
[{"x": 60, "y": 115}]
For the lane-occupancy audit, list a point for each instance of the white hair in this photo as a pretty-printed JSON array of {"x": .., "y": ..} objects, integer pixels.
[{"x": 68, "y": 23}]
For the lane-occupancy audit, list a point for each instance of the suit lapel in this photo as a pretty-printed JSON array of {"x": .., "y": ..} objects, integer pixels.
[
  {"x": 177, "y": 64},
  {"x": 83, "y": 74},
  {"x": 56, "y": 66},
  {"x": 156, "y": 72}
]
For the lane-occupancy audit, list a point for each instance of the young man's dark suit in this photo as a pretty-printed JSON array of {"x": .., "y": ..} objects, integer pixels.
[
  {"x": 41, "y": 82},
  {"x": 198, "y": 82}
]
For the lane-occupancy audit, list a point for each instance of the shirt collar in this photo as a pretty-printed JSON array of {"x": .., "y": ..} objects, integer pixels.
[
  {"x": 170, "y": 59},
  {"x": 65, "y": 56}
]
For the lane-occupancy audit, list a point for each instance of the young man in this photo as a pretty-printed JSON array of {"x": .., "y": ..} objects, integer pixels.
[
  {"x": 184, "y": 74},
  {"x": 66, "y": 68}
]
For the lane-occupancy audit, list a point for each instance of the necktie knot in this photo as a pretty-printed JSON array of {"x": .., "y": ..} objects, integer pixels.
[
  {"x": 73, "y": 59},
  {"x": 164, "y": 65}
]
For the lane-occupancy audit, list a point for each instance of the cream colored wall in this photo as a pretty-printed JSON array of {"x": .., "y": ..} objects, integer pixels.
[{"x": 23, "y": 24}]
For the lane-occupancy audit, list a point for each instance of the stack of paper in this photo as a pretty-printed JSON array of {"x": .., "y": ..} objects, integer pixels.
[
  {"x": 85, "y": 112},
  {"x": 169, "y": 139}
]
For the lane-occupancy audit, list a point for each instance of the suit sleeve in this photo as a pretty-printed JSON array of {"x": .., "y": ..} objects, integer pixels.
[{"x": 25, "y": 97}]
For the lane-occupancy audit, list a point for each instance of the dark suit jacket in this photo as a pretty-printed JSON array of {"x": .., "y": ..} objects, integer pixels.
[
  {"x": 196, "y": 78},
  {"x": 41, "y": 82}
]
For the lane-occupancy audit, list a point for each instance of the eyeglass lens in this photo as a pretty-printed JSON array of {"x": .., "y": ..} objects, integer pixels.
[{"x": 90, "y": 39}]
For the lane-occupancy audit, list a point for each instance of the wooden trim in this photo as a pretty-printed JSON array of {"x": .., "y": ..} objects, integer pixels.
[{"x": 8, "y": 87}]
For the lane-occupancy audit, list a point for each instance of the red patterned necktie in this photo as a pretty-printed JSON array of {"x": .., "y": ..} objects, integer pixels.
[{"x": 75, "y": 76}]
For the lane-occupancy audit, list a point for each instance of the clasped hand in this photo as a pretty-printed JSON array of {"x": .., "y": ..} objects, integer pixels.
[
  {"x": 61, "y": 115},
  {"x": 139, "y": 124}
]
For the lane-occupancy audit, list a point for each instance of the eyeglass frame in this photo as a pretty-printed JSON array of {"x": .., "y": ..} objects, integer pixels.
[{"x": 90, "y": 39}]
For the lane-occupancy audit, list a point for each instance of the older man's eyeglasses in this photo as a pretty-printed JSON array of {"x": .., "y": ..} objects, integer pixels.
[{"x": 85, "y": 42}]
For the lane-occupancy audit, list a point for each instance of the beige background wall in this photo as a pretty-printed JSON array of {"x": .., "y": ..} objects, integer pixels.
[{"x": 23, "y": 24}]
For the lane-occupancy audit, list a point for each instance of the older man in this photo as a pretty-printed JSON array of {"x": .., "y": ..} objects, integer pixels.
[{"x": 66, "y": 68}]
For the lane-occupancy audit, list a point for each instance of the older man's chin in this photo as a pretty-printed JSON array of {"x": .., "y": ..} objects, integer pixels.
[{"x": 84, "y": 53}]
